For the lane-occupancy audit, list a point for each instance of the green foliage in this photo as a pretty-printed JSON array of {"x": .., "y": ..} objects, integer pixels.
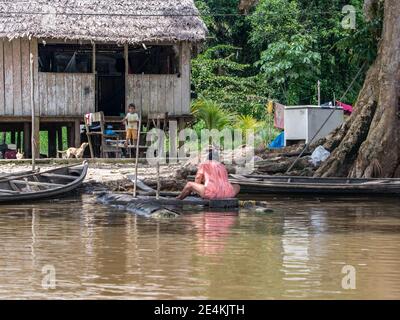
[
  {"x": 218, "y": 76},
  {"x": 212, "y": 114},
  {"x": 279, "y": 51},
  {"x": 288, "y": 65},
  {"x": 272, "y": 21},
  {"x": 246, "y": 122}
]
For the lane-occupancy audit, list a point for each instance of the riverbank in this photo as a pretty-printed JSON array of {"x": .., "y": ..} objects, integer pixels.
[{"x": 110, "y": 175}]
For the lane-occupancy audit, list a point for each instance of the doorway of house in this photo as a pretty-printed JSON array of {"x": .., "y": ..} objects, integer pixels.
[{"x": 110, "y": 80}]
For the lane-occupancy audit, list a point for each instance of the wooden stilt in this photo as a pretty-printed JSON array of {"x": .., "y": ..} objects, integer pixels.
[
  {"x": 77, "y": 133},
  {"x": 181, "y": 126},
  {"x": 27, "y": 140},
  {"x": 13, "y": 137},
  {"x": 52, "y": 147},
  {"x": 19, "y": 147},
  {"x": 59, "y": 139},
  {"x": 70, "y": 135},
  {"x": 36, "y": 137}
]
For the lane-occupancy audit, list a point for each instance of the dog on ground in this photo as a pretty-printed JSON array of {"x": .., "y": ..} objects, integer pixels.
[
  {"x": 74, "y": 152},
  {"x": 20, "y": 155}
]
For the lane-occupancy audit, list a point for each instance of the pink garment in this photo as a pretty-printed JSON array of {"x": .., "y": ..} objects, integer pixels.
[
  {"x": 279, "y": 118},
  {"x": 88, "y": 119},
  {"x": 346, "y": 107},
  {"x": 216, "y": 182}
]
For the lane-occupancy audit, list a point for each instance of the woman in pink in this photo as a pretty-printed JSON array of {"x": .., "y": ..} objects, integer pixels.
[{"x": 211, "y": 182}]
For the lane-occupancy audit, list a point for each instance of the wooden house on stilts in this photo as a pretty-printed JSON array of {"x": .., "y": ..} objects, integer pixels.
[{"x": 89, "y": 56}]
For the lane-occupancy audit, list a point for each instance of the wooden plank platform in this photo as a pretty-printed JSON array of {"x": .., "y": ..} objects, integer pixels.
[
  {"x": 191, "y": 201},
  {"x": 123, "y": 199}
]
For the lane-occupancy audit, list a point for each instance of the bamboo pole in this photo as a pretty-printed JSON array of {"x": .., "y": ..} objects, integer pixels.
[
  {"x": 33, "y": 142},
  {"x": 138, "y": 137},
  {"x": 158, "y": 176},
  {"x": 158, "y": 163}
]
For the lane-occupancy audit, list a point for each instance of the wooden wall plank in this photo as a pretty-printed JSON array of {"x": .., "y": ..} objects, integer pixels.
[
  {"x": 146, "y": 94},
  {"x": 161, "y": 94},
  {"x": 87, "y": 90},
  {"x": 17, "y": 79},
  {"x": 128, "y": 90},
  {"x": 69, "y": 108},
  {"x": 84, "y": 97},
  {"x": 35, "y": 52},
  {"x": 60, "y": 95},
  {"x": 77, "y": 96},
  {"x": 185, "y": 77},
  {"x": 51, "y": 94},
  {"x": 177, "y": 96},
  {"x": 92, "y": 105},
  {"x": 43, "y": 94},
  {"x": 2, "y": 106},
  {"x": 64, "y": 94},
  {"x": 8, "y": 79},
  {"x": 137, "y": 92},
  {"x": 153, "y": 93},
  {"x": 169, "y": 96},
  {"x": 25, "y": 74}
]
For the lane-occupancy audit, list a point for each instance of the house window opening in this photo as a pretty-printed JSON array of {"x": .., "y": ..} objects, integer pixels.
[
  {"x": 154, "y": 60},
  {"x": 65, "y": 58}
]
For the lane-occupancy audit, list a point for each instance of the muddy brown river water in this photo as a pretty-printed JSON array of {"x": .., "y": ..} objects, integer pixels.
[{"x": 75, "y": 248}]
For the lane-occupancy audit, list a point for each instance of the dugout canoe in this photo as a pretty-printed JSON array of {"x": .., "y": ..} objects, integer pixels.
[
  {"x": 42, "y": 185},
  {"x": 261, "y": 184}
]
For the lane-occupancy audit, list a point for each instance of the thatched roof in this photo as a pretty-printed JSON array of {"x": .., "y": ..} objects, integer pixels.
[{"x": 122, "y": 21}]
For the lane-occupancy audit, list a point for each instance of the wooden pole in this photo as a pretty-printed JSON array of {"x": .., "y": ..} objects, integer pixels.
[
  {"x": 126, "y": 58},
  {"x": 158, "y": 164},
  {"x": 138, "y": 137},
  {"x": 319, "y": 92},
  {"x": 77, "y": 133},
  {"x": 96, "y": 80},
  {"x": 27, "y": 140},
  {"x": 158, "y": 175},
  {"x": 59, "y": 139},
  {"x": 33, "y": 142},
  {"x": 52, "y": 142},
  {"x": 19, "y": 147},
  {"x": 13, "y": 137}
]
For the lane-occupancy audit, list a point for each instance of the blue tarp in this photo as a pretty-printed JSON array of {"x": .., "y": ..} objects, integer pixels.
[{"x": 279, "y": 141}]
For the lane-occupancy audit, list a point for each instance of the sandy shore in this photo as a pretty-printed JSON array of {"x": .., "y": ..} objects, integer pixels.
[{"x": 113, "y": 176}]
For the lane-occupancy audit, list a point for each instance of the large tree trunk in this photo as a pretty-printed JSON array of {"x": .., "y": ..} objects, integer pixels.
[{"x": 368, "y": 144}]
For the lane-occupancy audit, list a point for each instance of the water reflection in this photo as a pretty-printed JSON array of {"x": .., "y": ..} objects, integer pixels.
[
  {"x": 212, "y": 231},
  {"x": 296, "y": 252}
]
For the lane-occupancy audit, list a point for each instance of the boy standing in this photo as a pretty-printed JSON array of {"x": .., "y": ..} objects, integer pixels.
[{"x": 131, "y": 120}]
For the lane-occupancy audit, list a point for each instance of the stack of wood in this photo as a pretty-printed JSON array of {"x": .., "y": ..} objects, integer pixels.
[
  {"x": 269, "y": 162},
  {"x": 277, "y": 162}
]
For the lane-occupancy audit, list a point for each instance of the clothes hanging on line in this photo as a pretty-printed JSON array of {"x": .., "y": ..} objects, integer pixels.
[
  {"x": 346, "y": 107},
  {"x": 279, "y": 116}
]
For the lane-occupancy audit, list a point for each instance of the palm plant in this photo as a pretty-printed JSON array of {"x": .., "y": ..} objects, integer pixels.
[
  {"x": 246, "y": 122},
  {"x": 212, "y": 114}
]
